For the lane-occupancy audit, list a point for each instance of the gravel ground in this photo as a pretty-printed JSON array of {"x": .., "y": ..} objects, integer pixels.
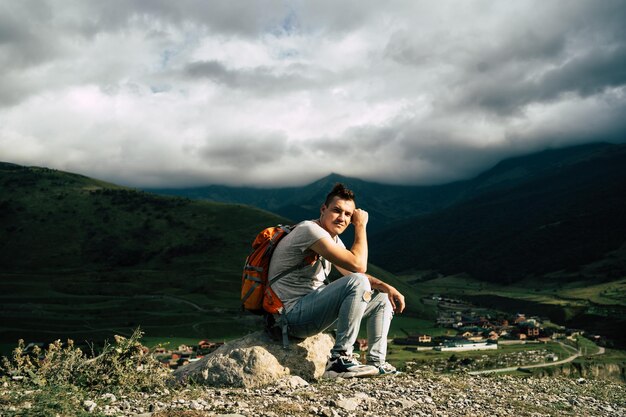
[{"x": 409, "y": 394}]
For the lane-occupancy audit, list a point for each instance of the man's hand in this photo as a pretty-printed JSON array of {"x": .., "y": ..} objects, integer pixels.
[
  {"x": 359, "y": 217},
  {"x": 396, "y": 299}
]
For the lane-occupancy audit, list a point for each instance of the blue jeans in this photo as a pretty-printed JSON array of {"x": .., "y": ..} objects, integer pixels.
[{"x": 345, "y": 302}]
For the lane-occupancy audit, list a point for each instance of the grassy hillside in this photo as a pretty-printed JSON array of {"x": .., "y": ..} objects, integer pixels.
[{"x": 84, "y": 259}]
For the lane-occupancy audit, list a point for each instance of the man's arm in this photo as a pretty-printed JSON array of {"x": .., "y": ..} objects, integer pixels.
[
  {"x": 395, "y": 297},
  {"x": 354, "y": 259}
]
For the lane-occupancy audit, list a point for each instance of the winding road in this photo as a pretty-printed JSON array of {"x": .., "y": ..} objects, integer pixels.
[{"x": 575, "y": 354}]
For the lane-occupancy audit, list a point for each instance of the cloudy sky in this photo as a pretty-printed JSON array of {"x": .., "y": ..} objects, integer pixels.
[{"x": 177, "y": 93}]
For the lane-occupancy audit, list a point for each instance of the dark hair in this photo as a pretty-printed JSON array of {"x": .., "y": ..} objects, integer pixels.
[{"x": 341, "y": 191}]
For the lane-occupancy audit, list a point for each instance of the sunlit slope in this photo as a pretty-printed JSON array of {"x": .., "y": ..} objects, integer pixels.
[{"x": 84, "y": 258}]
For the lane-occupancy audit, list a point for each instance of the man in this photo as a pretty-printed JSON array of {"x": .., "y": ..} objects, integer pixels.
[{"x": 311, "y": 306}]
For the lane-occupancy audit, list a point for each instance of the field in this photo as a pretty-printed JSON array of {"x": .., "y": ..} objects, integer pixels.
[{"x": 399, "y": 354}]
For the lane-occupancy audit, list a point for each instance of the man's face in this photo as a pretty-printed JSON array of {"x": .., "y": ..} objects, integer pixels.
[{"x": 337, "y": 215}]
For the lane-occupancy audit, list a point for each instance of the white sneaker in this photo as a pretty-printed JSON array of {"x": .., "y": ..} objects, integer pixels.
[
  {"x": 387, "y": 369},
  {"x": 348, "y": 367}
]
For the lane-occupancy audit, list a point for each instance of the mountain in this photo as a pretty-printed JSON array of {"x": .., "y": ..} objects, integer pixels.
[
  {"x": 303, "y": 202},
  {"x": 297, "y": 203},
  {"x": 544, "y": 213},
  {"x": 526, "y": 216},
  {"x": 300, "y": 203}
]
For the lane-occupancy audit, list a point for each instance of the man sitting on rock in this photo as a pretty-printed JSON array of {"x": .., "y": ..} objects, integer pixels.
[{"x": 311, "y": 306}]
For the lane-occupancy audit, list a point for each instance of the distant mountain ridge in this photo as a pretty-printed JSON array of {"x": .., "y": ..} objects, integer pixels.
[
  {"x": 423, "y": 227},
  {"x": 406, "y": 201}
]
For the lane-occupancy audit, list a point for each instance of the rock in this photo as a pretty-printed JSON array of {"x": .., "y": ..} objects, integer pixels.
[
  {"x": 348, "y": 404},
  {"x": 256, "y": 360},
  {"x": 404, "y": 403},
  {"x": 89, "y": 406},
  {"x": 293, "y": 382},
  {"x": 110, "y": 397},
  {"x": 363, "y": 396}
]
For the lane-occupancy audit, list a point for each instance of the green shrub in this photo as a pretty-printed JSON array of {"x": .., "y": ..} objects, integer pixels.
[{"x": 126, "y": 366}]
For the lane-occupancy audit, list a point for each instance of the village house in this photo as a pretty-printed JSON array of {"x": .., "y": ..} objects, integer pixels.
[
  {"x": 519, "y": 318},
  {"x": 572, "y": 334},
  {"x": 532, "y": 331},
  {"x": 445, "y": 321},
  {"x": 493, "y": 335},
  {"x": 477, "y": 337},
  {"x": 530, "y": 328},
  {"x": 205, "y": 347}
]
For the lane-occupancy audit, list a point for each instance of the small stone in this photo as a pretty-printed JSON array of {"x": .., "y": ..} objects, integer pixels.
[
  {"x": 196, "y": 406},
  {"x": 363, "y": 396},
  {"x": 109, "y": 397},
  {"x": 404, "y": 403},
  {"x": 326, "y": 412},
  {"x": 89, "y": 406},
  {"x": 348, "y": 404},
  {"x": 295, "y": 381}
]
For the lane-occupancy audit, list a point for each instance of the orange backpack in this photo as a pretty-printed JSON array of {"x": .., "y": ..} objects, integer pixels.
[{"x": 256, "y": 294}]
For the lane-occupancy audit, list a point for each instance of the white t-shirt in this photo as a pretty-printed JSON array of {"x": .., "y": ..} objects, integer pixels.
[{"x": 292, "y": 250}]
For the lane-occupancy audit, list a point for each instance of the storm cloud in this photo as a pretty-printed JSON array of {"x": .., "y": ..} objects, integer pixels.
[{"x": 185, "y": 93}]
